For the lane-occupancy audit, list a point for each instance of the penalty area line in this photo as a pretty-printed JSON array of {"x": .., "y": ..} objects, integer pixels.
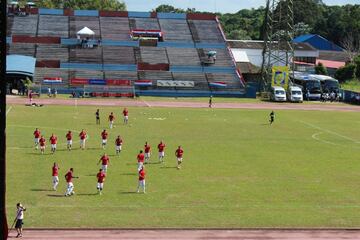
[{"x": 7, "y": 112}]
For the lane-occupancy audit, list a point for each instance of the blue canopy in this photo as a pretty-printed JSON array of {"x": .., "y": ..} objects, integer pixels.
[{"x": 22, "y": 65}]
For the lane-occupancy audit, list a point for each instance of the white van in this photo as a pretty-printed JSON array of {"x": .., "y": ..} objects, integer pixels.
[
  {"x": 277, "y": 94},
  {"x": 295, "y": 94}
]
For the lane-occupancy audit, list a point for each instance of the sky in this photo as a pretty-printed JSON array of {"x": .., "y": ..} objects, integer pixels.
[{"x": 223, "y": 6}]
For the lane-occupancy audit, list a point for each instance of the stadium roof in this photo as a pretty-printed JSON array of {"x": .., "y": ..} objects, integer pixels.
[
  {"x": 22, "y": 65},
  {"x": 318, "y": 42}
]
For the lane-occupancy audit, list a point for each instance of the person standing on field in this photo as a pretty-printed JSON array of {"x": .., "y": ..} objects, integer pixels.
[
  {"x": 272, "y": 117},
  {"x": 53, "y": 142},
  {"x": 111, "y": 120},
  {"x": 147, "y": 150},
  {"x": 97, "y": 115},
  {"x": 140, "y": 159},
  {"x": 69, "y": 140},
  {"x": 70, "y": 186},
  {"x": 101, "y": 179},
  {"x": 20, "y": 209},
  {"x": 42, "y": 143},
  {"x": 104, "y": 137},
  {"x": 126, "y": 115},
  {"x": 141, "y": 183},
  {"x": 37, "y": 135},
  {"x": 161, "y": 148},
  {"x": 55, "y": 175},
  {"x": 82, "y": 136},
  {"x": 105, "y": 160},
  {"x": 118, "y": 145},
  {"x": 179, "y": 155},
  {"x": 210, "y": 101}
]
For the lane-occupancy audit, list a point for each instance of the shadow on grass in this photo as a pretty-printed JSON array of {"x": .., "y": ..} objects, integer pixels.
[
  {"x": 56, "y": 195},
  {"x": 87, "y": 194},
  {"x": 129, "y": 174},
  {"x": 90, "y": 175},
  {"x": 168, "y": 167},
  {"x": 40, "y": 190},
  {"x": 39, "y": 154},
  {"x": 152, "y": 163},
  {"x": 134, "y": 192}
]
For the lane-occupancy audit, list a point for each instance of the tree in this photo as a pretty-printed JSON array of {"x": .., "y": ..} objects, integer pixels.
[
  {"x": 168, "y": 9},
  {"x": 346, "y": 73},
  {"x": 320, "y": 69},
  {"x": 239, "y": 35},
  {"x": 301, "y": 28},
  {"x": 81, "y": 4},
  {"x": 351, "y": 46}
]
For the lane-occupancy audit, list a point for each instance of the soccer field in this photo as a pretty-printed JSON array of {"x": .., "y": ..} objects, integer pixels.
[{"x": 303, "y": 171}]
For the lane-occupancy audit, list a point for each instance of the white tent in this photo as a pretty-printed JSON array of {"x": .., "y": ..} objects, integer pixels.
[{"x": 86, "y": 31}]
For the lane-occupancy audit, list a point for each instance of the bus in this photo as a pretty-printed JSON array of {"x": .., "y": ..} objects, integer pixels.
[
  {"x": 311, "y": 87},
  {"x": 328, "y": 84}
]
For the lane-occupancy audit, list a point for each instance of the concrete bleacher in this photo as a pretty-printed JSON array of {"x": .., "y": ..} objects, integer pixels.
[
  {"x": 186, "y": 43},
  {"x": 115, "y": 28},
  {"x": 118, "y": 55},
  {"x": 85, "y": 55},
  {"x": 153, "y": 55},
  {"x": 9, "y": 25},
  {"x": 27, "y": 49},
  {"x": 206, "y": 31},
  {"x": 146, "y": 23},
  {"x": 41, "y": 73},
  {"x": 121, "y": 75},
  {"x": 78, "y": 22},
  {"x": 176, "y": 30},
  {"x": 52, "y": 25},
  {"x": 25, "y": 25},
  {"x": 52, "y": 52},
  {"x": 184, "y": 56}
]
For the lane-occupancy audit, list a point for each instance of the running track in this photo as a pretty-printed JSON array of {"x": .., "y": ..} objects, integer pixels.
[
  {"x": 141, "y": 103},
  {"x": 160, "y": 234}
]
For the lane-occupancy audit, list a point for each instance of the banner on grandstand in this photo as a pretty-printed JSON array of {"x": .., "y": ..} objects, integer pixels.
[
  {"x": 218, "y": 84},
  {"x": 143, "y": 83},
  {"x": 97, "y": 81},
  {"x": 169, "y": 83},
  {"x": 280, "y": 76},
  {"x": 52, "y": 80},
  {"x": 79, "y": 81},
  {"x": 118, "y": 82}
]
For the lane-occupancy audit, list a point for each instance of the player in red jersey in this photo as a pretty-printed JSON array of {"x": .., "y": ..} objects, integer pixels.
[
  {"x": 69, "y": 140},
  {"x": 70, "y": 186},
  {"x": 118, "y": 144},
  {"x": 104, "y": 137},
  {"x": 104, "y": 160},
  {"x": 42, "y": 143},
  {"x": 53, "y": 141},
  {"x": 161, "y": 147},
  {"x": 111, "y": 119},
  {"x": 101, "y": 179},
  {"x": 140, "y": 159},
  {"x": 179, "y": 154},
  {"x": 126, "y": 115},
  {"x": 82, "y": 136},
  {"x": 55, "y": 175},
  {"x": 37, "y": 135},
  {"x": 147, "y": 150},
  {"x": 141, "y": 179}
]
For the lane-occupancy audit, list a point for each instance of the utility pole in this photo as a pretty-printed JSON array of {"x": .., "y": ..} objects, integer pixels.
[{"x": 278, "y": 35}]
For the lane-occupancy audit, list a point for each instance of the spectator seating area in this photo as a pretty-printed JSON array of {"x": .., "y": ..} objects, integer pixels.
[{"x": 51, "y": 37}]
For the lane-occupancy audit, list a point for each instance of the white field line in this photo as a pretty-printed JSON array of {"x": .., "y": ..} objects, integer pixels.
[
  {"x": 7, "y": 112},
  {"x": 329, "y": 131},
  {"x": 315, "y": 136},
  {"x": 146, "y": 103}
]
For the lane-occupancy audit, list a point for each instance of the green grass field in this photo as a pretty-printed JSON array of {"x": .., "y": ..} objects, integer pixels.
[{"x": 238, "y": 171}]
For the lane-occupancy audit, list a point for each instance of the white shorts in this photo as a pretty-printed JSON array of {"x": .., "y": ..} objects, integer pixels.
[
  {"x": 70, "y": 184},
  {"x": 100, "y": 185},
  {"x": 55, "y": 179},
  {"x": 69, "y": 142},
  {"x": 104, "y": 141},
  {"x": 179, "y": 159},
  {"x": 36, "y": 140},
  {"x": 126, "y": 117},
  {"x": 104, "y": 167},
  {"x": 53, "y": 145},
  {"x": 161, "y": 154},
  {"x": 118, "y": 148},
  {"x": 82, "y": 141},
  {"x": 111, "y": 122},
  {"x": 140, "y": 164},
  {"x": 42, "y": 147},
  {"x": 142, "y": 183},
  {"x": 147, "y": 155}
]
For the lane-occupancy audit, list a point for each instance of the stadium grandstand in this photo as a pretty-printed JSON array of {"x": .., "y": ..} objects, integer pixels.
[{"x": 114, "y": 53}]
